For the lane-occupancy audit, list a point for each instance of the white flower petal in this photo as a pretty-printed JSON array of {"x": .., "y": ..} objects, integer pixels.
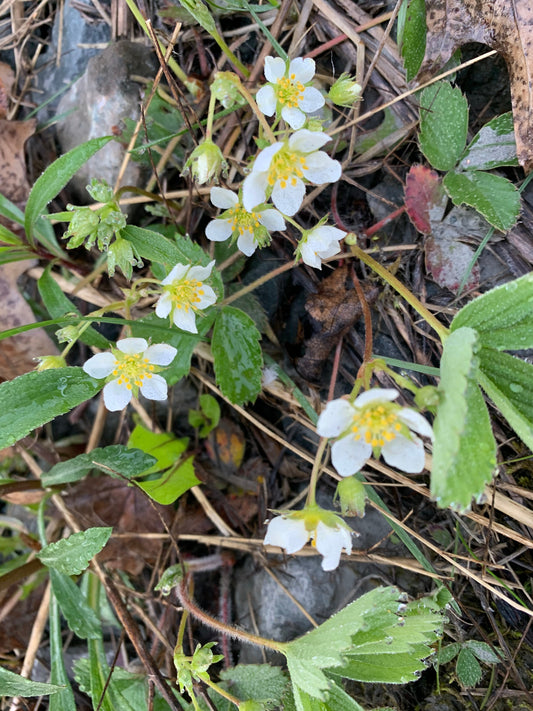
[
  {"x": 155, "y": 388},
  {"x": 375, "y": 395},
  {"x": 185, "y": 319},
  {"x": 266, "y": 100},
  {"x": 176, "y": 273},
  {"x": 246, "y": 243},
  {"x": 289, "y": 199},
  {"x": 329, "y": 250},
  {"x": 160, "y": 354},
  {"x": 308, "y": 141},
  {"x": 223, "y": 198},
  {"x": 405, "y": 454},
  {"x": 348, "y": 454},
  {"x": 164, "y": 305},
  {"x": 320, "y": 168},
  {"x": 272, "y": 220},
  {"x": 116, "y": 396},
  {"x": 100, "y": 365},
  {"x": 330, "y": 543},
  {"x": 293, "y": 116},
  {"x": 208, "y": 298},
  {"x": 312, "y": 100},
  {"x": 218, "y": 230},
  {"x": 303, "y": 69},
  {"x": 415, "y": 421},
  {"x": 132, "y": 345},
  {"x": 310, "y": 257},
  {"x": 288, "y": 533},
  {"x": 263, "y": 161},
  {"x": 274, "y": 68},
  {"x": 327, "y": 233},
  {"x": 201, "y": 273},
  {"x": 254, "y": 190},
  {"x": 335, "y": 418}
]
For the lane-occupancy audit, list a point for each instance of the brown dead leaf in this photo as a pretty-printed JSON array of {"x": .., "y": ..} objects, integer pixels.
[
  {"x": 13, "y": 136},
  {"x": 18, "y": 352},
  {"x": 7, "y": 78},
  {"x": 333, "y": 311},
  {"x": 505, "y": 26}
]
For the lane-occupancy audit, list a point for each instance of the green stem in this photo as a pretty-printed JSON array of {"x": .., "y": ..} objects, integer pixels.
[
  {"x": 397, "y": 285},
  {"x": 210, "y": 116},
  {"x": 317, "y": 466},
  {"x": 232, "y": 699},
  {"x": 178, "y": 71}
]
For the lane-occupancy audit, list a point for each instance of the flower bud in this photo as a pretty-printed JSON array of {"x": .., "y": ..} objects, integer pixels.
[
  {"x": 351, "y": 493},
  {"x": 206, "y": 162},
  {"x": 225, "y": 88},
  {"x": 49, "y": 362},
  {"x": 345, "y": 92}
]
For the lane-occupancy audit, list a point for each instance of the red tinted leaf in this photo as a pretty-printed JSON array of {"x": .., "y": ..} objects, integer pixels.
[
  {"x": 447, "y": 261},
  {"x": 425, "y": 198}
]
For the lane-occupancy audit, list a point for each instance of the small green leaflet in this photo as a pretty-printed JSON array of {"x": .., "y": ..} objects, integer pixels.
[
  {"x": 338, "y": 700},
  {"x": 464, "y": 452},
  {"x": 496, "y": 198},
  {"x": 80, "y": 617},
  {"x": 55, "y": 177},
  {"x": 238, "y": 356},
  {"x": 468, "y": 668},
  {"x": 14, "y": 685},
  {"x": 492, "y": 147},
  {"x": 443, "y": 124},
  {"x": 503, "y": 316},
  {"x": 33, "y": 399},
  {"x": 412, "y": 35},
  {"x": 174, "y": 482},
  {"x": 73, "y": 554},
  {"x": 114, "y": 460}
]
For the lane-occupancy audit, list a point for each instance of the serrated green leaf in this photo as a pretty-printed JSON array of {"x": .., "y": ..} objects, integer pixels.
[
  {"x": 396, "y": 669},
  {"x": 412, "y": 36},
  {"x": 260, "y": 683},
  {"x": 15, "y": 685},
  {"x": 55, "y": 177},
  {"x": 464, "y": 452},
  {"x": 492, "y": 147},
  {"x": 467, "y": 668},
  {"x": 495, "y": 197},
  {"x": 250, "y": 304},
  {"x": 449, "y": 652},
  {"x": 73, "y": 554},
  {"x": 483, "y": 651},
  {"x": 114, "y": 460},
  {"x": 174, "y": 482},
  {"x": 57, "y": 305},
  {"x": 508, "y": 381},
  {"x": 443, "y": 124},
  {"x": 337, "y": 700},
  {"x": 80, "y": 618},
  {"x": 238, "y": 357},
  {"x": 503, "y": 316},
  {"x": 33, "y": 399}
]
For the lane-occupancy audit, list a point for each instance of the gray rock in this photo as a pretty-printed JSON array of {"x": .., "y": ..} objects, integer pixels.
[
  {"x": 78, "y": 41},
  {"x": 97, "y": 103}
]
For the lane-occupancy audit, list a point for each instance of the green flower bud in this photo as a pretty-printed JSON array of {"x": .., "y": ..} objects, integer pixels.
[
  {"x": 345, "y": 92},
  {"x": 225, "y": 88},
  {"x": 206, "y": 162},
  {"x": 82, "y": 224},
  {"x": 352, "y": 495},
  {"x": 50, "y": 362},
  {"x": 68, "y": 334},
  {"x": 427, "y": 398},
  {"x": 100, "y": 191}
]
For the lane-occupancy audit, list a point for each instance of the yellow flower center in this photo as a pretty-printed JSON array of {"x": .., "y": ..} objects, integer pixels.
[
  {"x": 286, "y": 166},
  {"x": 242, "y": 221},
  {"x": 131, "y": 369},
  {"x": 186, "y": 293},
  {"x": 289, "y": 92},
  {"x": 377, "y": 424}
]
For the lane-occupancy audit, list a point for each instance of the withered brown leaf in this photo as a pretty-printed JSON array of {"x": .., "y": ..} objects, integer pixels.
[{"x": 505, "y": 26}]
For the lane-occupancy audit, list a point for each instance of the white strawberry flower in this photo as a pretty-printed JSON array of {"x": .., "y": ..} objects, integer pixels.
[
  {"x": 373, "y": 424},
  {"x": 184, "y": 293},
  {"x": 251, "y": 228},
  {"x": 133, "y": 365},
  {"x": 327, "y": 531},
  {"x": 319, "y": 243},
  {"x": 282, "y": 169},
  {"x": 288, "y": 92}
]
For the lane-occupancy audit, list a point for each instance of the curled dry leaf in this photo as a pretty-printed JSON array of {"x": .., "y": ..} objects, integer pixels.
[
  {"x": 505, "y": 26},
  {"x": 7, "y": 79}
]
